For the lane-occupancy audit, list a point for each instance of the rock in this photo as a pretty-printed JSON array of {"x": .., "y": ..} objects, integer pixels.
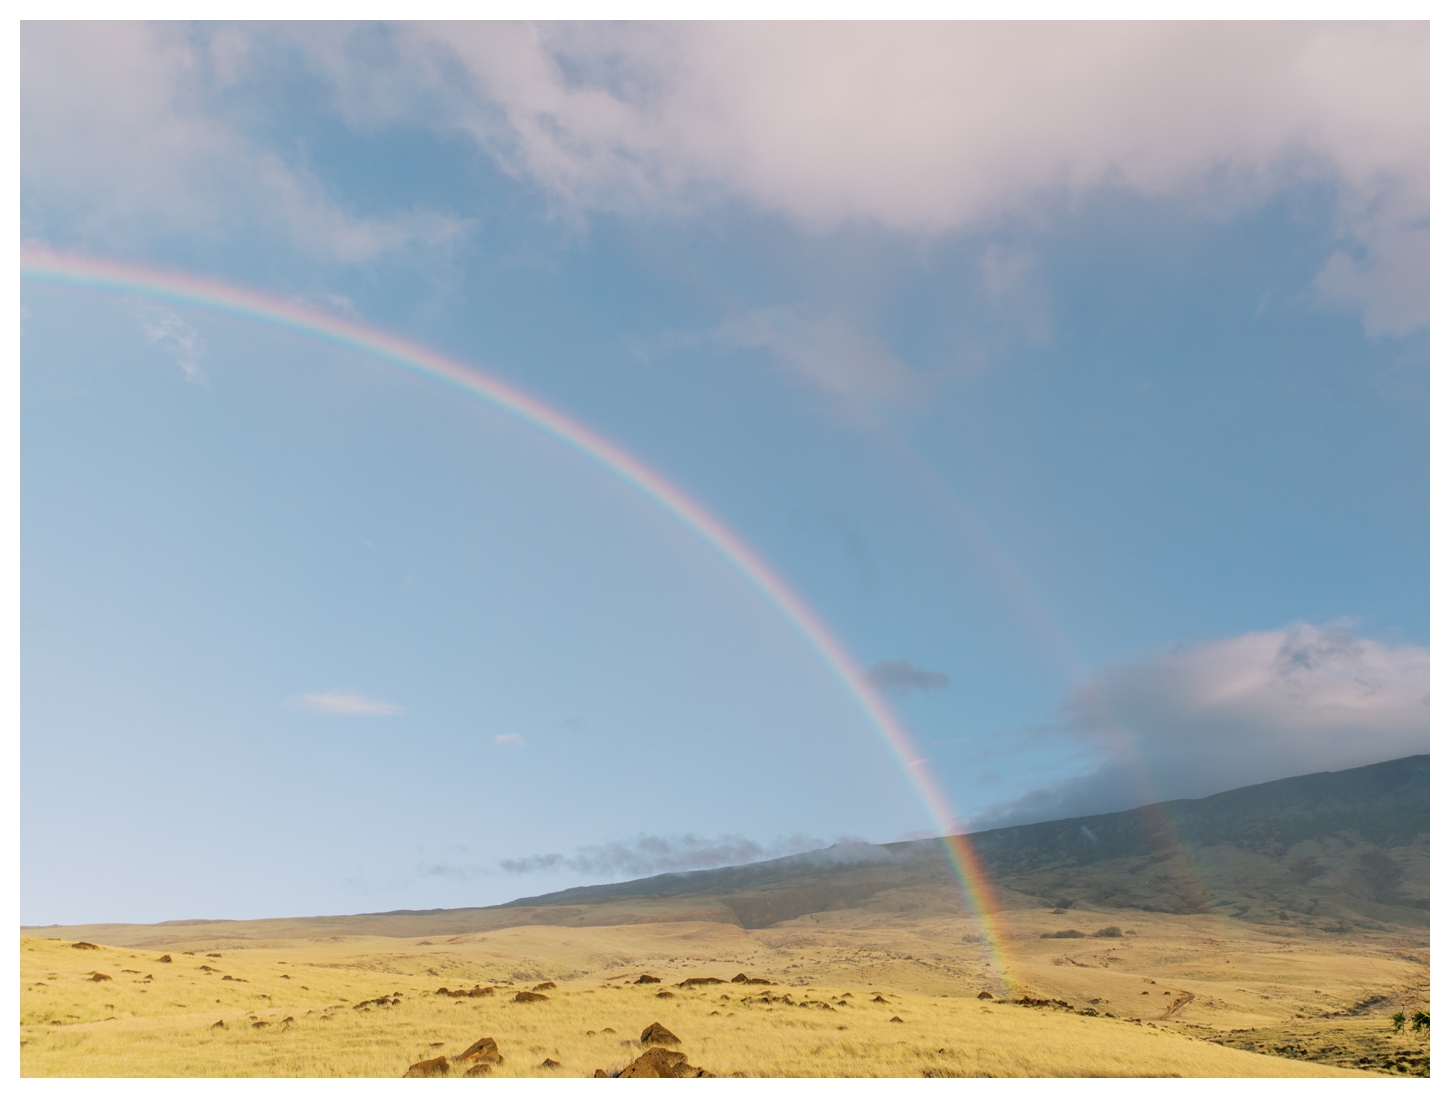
[
  {"x": 485, "y": 1049},
  {"x": 98, "y": 977},
  {"x": 442, "y": 991},
  {"x": 219, "y": 1024},
  {"x": 664, "y": 995},
  {"x": 656, "y": 1034},
  {"x": 600, "y": 1073},
  {"x": 662, "y": 1063},
  {"x": 698, "y": 981},
  {"x": 478, "y": 1070},
  {"x": 428, "y": 1069},
  {"x": 878, "y": 999},
  {"x": 165, "y": 958},
  {"x": 740, "y": 979},
  {"x": 530, "y": 997},
  {"x": 550, "y": 1062},
  {"x": 984, "y": 995},
  {"x": 547, "y": 985},
  {"x": 217, "y": 955},
  {"x": 84, "y": 945},
  {"x": 607, "y": 1029},
  {"x": 896, "y": 1019},
  {"x": 479, "y": 992},
  {"x": 648, "y": 980}
]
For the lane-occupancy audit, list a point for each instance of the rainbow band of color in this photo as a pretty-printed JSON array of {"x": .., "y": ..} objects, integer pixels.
[{"x": 103, "y": 274}]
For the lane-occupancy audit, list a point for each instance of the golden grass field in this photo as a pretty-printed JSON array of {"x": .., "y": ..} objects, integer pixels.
[{"x": 1181, "y": 990}]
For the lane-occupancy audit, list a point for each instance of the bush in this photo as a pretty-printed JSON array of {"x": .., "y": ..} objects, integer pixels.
[
  {"x": 1109, "y": 932},
  {"x": 1066, "y": 934}
]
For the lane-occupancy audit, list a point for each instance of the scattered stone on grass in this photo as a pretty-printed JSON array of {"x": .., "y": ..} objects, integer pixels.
[
  {"x": 530, "y": 997},
  {"x": 547, "y": 985},
  {"x": 477, "y": 1070},
  {"x": 645, "y": 979},
  {"x": 894, "y": 1018},
  {"x": 483, "y": 1050},
  {"x": 549, "y": 1062},
  {"x": 428, "y": 1069},
  {"x": 984, "y": 995},
  {"x": 656, "y": 1034},
  {"x": 84, "y": 945},
  {"x": 663, "y": 1063}
]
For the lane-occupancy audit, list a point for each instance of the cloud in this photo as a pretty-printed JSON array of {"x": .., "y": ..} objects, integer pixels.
[
  {"x": 1201, "y": 718},
  {"x": 647, "y": 855},
  {"x": 859, "y": 376},
  {"x": 122, "y": 140},
  {"x": 856, "y": 371},
  {"x": 349, "y": 705},
  {"x": 929, "y": 127},
  {"x": 510, "y": 739},
  {"x": 901, "y": 677},
  {"x": 165, "y": 328}
]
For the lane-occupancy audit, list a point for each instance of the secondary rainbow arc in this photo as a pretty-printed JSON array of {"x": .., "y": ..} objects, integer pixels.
[{"x": 105, "y": 274}]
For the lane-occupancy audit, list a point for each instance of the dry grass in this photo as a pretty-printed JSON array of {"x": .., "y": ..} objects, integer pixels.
[{"x": 72, "y": 1025}]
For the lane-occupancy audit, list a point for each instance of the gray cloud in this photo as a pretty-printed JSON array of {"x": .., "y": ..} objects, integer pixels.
[
  {"x": 901, "y": 677},
  {"x": 646, "y": 855},
  {"x": 1201, "y": 718}
]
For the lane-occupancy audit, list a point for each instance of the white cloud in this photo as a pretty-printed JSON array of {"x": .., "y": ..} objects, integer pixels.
[
  {"x": 118, "y": 144},
  {"x": 857, "y": 373},
  {"x": 349, "y": 705},
  {"x": 509, "y": 739},
  {"x": 931, "y": 127},
  {"x": 1205, "y": 717},
  {"x": 919, "y": 127},
  {"x": 165, "y": 328}
]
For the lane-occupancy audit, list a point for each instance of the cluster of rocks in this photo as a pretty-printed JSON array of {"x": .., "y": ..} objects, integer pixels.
[
  {"x": 475, "y": 992},
  {"x": 657, "y": 1061},
  {"x": 705, "y": 981}
]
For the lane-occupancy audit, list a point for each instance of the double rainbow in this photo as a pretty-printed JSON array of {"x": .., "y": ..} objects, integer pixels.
[{"x": 185, "y": 289}]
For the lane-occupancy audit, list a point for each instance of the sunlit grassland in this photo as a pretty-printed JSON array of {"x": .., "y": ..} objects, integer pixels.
[{"x": 291, "y": 1009}]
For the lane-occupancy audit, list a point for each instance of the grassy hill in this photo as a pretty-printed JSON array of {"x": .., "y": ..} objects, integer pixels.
[{"x": 1266, "y": 931}]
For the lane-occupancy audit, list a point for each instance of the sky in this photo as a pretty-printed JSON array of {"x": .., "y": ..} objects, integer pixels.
[{"x": 1076, "y": 378}]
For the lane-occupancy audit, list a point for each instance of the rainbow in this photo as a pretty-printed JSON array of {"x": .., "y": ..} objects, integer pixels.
[{"x": 185, "y": 289}]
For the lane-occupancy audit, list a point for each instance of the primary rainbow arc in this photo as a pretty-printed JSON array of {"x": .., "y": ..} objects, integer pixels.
[{"x": 89, "y": 271}]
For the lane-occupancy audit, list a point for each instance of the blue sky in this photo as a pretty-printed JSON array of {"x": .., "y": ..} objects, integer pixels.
[{"x": 1078, "y": 386}]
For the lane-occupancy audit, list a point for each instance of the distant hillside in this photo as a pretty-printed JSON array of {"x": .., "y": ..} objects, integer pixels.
[
  {"x": 1351, "y": 843},
  {"x": 1331, "y": 852}
]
